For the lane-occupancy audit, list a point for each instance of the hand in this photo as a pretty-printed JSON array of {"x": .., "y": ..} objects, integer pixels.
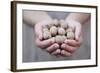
[
  {"x": 49, "y": 45},
  {"x": 70, "y": 46}
]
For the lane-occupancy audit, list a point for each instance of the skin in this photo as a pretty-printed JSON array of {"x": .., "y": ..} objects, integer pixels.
[
  {"x": 39, "y": 19},
  {"x": 75, "y": 21},
  {"x": 49, "y": 45}
]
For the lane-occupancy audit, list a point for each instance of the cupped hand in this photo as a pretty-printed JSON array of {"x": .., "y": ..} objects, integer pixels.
[
  {"x": 48, "y": 45},
  {"x": 70, "y": 46}
]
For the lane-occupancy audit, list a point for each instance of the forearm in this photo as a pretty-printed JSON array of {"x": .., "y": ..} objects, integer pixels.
[
  {"x": 33, "y": 17},
  {"x": 80, "y": 17}
]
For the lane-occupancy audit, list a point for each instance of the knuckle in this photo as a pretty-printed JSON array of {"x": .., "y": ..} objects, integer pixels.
[
  {"x": 63, "y": 46},
  {"x": 72, "y": 50},
  {"x": 39, "y": 45},
  {"x": 56, "y": 45}
]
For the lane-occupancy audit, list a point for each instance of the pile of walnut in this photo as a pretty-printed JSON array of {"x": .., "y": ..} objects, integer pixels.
[{"x": 60, "y": 31}]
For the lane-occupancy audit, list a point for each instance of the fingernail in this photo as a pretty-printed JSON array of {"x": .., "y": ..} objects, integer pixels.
[
  {"x": 40, "y": 37},
  {"x": 63, "y": 46},
  {"x": 65, "y": 41},
  {"x": 76, "y": 39},
  {"x": 56, "y": 46},
  {"x": 58, "y": 50}
]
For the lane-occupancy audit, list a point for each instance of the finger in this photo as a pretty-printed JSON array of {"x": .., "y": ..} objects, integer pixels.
[
  {"x": 65, "y": 53},
  {"x": 78, "y": 31},
  {"x": 44, "y": 43},
  {"x": 52, "y": 48},
  {"x": 68, "y": 48},
  {"x": 56, "y": 53},
  {"x": 73, "y": 43},
  {"x": 70, "y": 24},
  {"x": 38, "y": 31}
]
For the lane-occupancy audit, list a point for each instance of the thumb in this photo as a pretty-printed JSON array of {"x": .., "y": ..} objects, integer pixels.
[
  {"x": 40, "y": 36},
  {"x": 78, "y": 31},
  {"x": 38, "y": 31}
]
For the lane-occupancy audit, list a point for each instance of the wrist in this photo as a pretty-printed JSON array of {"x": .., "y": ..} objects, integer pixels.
[
  {"x": 73, "y": 24},
  {"x": 70, "y": 21},
  {"x": 44, "y": 22}
]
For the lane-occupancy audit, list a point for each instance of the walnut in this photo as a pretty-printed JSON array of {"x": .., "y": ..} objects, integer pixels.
[
  {"x": 61, "y": 31},
  {"x": 55, "y": 22},
  {"x": 53, "y": 30},
  {"x": 70, "y": 35},
  {"x": 63, "y": 24},
  {"x": 58, "y": 50},
  {"x": 59, "y": 39},
  {"x": 45, "y": 29},
  {"x": 64, "y": 37},
  {"x": 46, "y": 35},
  {"x": 47, "y": 25}
]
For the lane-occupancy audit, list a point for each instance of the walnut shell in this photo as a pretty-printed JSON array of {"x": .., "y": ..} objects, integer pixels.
[
  {"x": 59, "y": 39},
  {"x": 47, "y": 25},
  {"x": 55, "y": 22},
  {"x": 58, "y": 51},
  {"x": 64, "y": 37},
  {"x": 61, "y": 31},
  {"x": 46, "y": 35},
  {"x": 70, "y": 35},
  {"x": 45, "y": 29},
  {"x": 63, "y": 24},
  {"x": 53, "y": 30}
]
